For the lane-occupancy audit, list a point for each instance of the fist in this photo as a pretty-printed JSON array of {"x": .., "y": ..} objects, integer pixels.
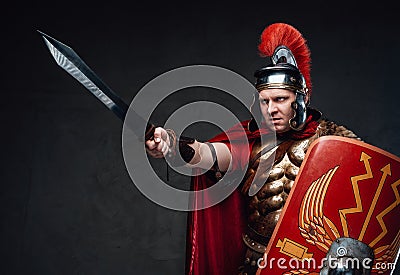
[{"x": 158, "y": 147}]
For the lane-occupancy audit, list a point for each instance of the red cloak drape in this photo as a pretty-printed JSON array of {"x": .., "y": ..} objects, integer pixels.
[{"x": 214, "y": 237}]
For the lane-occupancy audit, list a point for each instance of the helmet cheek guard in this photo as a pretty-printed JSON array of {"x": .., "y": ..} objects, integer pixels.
[{"x": 299, "y": 106}]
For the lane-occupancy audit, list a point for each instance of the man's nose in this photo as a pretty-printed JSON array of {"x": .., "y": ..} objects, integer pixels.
[{"x": 272, "y": 107}]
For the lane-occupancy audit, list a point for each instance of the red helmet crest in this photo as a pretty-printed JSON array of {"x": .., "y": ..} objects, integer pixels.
[{"x": 281, "y": 34}]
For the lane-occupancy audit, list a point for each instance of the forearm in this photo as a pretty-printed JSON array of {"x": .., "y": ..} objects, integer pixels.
[
  {"x": 204, "y": 158},
  {"x": 195, "y": 154}
]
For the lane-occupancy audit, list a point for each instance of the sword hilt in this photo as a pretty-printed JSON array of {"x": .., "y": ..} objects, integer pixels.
[{"x": 149, "y": 135}]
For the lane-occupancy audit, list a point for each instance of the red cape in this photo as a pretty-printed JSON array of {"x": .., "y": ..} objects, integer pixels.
[
  {"x": 214, "y": 237},
  {"x": 214, "y": 242}
]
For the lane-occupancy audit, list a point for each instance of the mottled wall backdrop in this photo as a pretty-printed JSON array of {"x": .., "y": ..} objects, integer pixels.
[{"x": 67, "y": 203}]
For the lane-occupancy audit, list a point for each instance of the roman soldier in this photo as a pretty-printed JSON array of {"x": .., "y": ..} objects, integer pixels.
[
  {"x": 291, "y": 165},
  {"x": 230, "y": 237}
]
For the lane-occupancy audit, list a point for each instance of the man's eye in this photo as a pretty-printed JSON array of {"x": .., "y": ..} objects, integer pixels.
[
  {"x": 264, "y": 101},
  {"x": 281, "y": 98}
]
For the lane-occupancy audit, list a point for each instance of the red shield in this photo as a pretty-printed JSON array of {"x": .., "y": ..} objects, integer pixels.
[{"x": 345, "y": 188}]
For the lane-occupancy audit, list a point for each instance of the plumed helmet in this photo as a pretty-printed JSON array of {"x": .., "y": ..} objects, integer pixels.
[{"x": 288, "y": 66}]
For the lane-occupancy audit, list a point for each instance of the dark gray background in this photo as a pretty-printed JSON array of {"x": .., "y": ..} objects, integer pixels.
[{"x": 67, "y": 203}]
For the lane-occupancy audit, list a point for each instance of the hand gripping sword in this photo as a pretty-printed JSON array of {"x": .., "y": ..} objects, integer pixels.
[{"x": 67, "y": 59}]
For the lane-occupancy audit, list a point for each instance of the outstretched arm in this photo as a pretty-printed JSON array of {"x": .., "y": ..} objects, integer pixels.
[{"x": 198, "y": 154}]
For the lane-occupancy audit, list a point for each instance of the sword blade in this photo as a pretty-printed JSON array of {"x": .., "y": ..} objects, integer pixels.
[{"x": 69, "y": 60}]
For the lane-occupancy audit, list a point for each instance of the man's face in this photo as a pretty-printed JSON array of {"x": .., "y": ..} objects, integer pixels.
[{"x": 276, "y": 108}]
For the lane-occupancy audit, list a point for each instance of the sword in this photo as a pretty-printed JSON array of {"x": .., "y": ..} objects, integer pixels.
[{"x": 69, "y": 60}]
